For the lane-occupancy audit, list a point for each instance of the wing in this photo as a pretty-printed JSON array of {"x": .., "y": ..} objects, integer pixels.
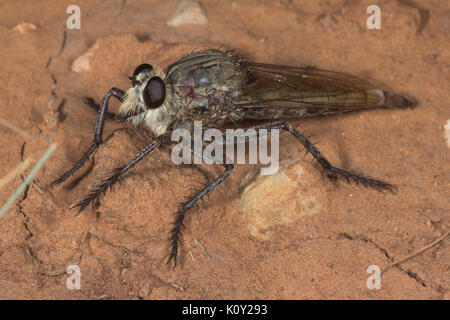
[{"x": 286, "y": 87}]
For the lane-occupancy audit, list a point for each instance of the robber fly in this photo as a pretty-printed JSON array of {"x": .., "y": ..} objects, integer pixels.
[{"x": 217, "y": 87}]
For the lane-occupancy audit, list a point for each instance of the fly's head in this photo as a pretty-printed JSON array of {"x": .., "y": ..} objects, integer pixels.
[{"x": 149, "y": 100}]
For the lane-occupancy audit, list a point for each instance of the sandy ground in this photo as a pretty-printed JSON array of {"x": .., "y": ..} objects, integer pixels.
[{"x": 120, "y": 247}]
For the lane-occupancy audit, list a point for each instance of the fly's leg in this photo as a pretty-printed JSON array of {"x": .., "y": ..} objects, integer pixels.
[
  {"x": 330, "y": 171},
  {"x": 102, "y": 113},
  {"x": 117, "y": 174},
  {"x": 185, "y": 206}
]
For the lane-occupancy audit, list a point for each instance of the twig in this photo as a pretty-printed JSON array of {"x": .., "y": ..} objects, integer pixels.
[
  {"x": 84, "y": 240},
  {"x": 177, "y": 286},
  {"x": 28, "y": 179},
  {"x": 199, "y": 245},
  {"x": 15, "y": 172},
  {"x": 16, "y": 129},
  {"x": 416, "y": 253}
]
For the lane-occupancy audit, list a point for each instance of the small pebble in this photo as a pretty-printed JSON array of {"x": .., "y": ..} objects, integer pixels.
[
  {"x": 187, "y": 12},
  {"x": 25, "y": 27},
  {"x": 144, "y": 291},
  {"x": 447, "y": 132},
  {"x": 82, "y": 62}
]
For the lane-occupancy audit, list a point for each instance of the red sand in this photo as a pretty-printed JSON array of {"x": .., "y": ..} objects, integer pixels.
[{"x": 120, "y": 248}]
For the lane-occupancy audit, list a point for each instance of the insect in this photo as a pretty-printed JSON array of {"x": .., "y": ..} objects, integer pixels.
[{"x": 216, "y": 87}]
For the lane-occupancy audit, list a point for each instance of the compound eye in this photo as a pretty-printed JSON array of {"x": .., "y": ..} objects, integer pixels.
[
  {"x": 140, "y": 68},
  {"x": 154, "y": 93}
]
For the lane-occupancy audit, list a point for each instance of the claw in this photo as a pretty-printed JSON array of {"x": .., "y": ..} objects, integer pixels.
[
  {"x": 55, "y": 185},
  {"x": 74, "y": 205},
  {"x": 171, "y": 259}
]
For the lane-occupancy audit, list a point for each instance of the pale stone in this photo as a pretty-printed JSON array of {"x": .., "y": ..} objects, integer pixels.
[
  {"x": 447, "y": 132},
  {"x": 82, "y": 62},
  {"x": 273, "y": 200},
  {"x": 25, "y": 27},
  {"x": 144, "y": 291},
  {"x": 187, "y": 12}
]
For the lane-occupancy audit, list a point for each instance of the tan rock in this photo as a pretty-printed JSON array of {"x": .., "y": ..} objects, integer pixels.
[
  {"x": 272, "y": 200},
  {"x": 25, "y": 27},
  {"x": 82, "y": 62},
  {"x": 447, "y": 132},
  {"x": 187, "y": 12}
]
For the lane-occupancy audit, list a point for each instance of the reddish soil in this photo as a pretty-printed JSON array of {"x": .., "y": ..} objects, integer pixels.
[{"x": 120, "y": 247}]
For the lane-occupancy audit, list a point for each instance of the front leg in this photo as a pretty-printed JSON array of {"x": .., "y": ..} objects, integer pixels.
[
  {"x": 102, "y": 112},
  {"x": 118, "y": 174}
]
